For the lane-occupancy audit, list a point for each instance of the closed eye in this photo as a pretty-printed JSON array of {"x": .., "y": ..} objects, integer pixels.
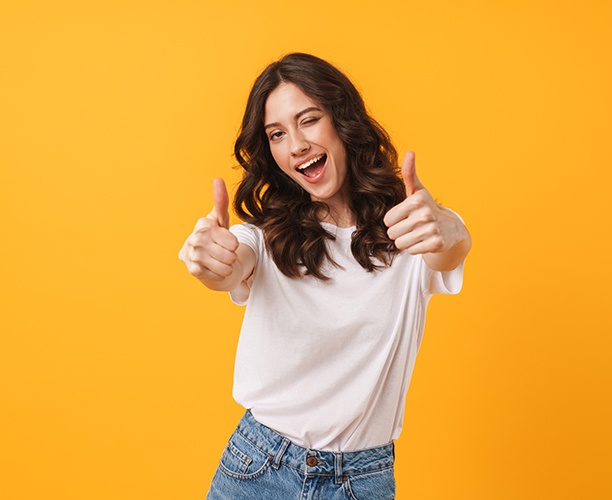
[{"x": 310, "y": 120}]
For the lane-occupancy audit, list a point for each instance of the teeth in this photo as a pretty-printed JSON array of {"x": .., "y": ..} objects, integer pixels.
[{"x": 308, "y": 163}]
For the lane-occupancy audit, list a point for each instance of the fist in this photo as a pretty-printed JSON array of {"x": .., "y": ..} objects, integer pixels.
[
  {"x": 210, "y": 250},
  {"x": 418, "y": 224}
]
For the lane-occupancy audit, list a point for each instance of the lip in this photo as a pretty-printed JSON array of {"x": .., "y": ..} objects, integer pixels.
[
  {"x": 319, "y": 176},
  {"x": 306, "y": 160}
]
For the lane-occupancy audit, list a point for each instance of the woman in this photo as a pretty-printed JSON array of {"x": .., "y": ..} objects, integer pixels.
[{"x": 337, "y": 260}]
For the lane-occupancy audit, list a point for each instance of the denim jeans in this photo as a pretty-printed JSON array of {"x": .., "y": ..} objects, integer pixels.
[{"x": 259, "y": 463}]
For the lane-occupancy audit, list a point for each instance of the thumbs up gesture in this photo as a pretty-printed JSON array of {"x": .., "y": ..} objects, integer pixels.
[
  {"x": 210, "y": 250},
  {"x": 420, "y": 226}
]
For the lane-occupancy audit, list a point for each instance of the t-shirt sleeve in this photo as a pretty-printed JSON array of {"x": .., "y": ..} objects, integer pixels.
[
  {"x": 447, "y": 282},
  {"x": 250, "y": 235},
  {"x": 444, "y": 282}
]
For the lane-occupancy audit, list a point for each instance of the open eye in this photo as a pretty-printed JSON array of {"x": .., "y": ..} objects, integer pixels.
[{"x": 274, "y": 136}]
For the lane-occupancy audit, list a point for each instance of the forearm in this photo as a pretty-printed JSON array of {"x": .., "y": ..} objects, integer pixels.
[
  {"x": 241, "y": 270},
  {"x": 451, "y": 258},
  {"x": 228, "y": 283}
]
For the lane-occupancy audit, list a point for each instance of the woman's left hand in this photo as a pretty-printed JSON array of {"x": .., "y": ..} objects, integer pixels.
[{"x": 420, "y": 226}]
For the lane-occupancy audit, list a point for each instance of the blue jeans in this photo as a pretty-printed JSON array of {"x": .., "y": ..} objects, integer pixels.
[{"x": 258, "y": 463}]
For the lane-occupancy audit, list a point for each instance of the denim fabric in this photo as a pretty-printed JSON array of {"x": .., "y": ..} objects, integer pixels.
[{"x": 259, "y": 463}]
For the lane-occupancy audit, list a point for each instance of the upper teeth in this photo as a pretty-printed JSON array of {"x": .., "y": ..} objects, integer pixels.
[{"x": 310, "y": 162}]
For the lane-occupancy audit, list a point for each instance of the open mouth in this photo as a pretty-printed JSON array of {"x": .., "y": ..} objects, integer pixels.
[{"x": 312, "y": 167}]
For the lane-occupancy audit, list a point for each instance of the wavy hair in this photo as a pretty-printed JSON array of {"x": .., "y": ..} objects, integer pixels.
[{"x": 269, "y": 199}]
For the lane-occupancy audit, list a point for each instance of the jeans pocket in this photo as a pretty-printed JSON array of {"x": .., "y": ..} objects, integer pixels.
[
  {"x": 378, "y": 484},
  {"x": 241, "y": 459}
]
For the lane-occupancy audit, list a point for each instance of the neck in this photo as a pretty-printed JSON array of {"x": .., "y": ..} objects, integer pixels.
[
  {"x": 338, "y": 212},
  {"x": 338, "y": 216}
]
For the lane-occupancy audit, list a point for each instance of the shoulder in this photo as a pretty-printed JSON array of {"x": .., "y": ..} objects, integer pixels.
[
  {"x": 246, "y": 233},
  {"x": 412, "y": 271},
  {"x": 251, "y": 236}
]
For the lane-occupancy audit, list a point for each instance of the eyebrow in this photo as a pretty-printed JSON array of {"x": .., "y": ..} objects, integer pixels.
[{"x": 296, "y": 117}]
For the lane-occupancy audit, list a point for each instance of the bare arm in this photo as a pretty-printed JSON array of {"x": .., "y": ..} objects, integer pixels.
[
  {"x": 212, "y": 253},
  {"x": 420, "y": 226}
]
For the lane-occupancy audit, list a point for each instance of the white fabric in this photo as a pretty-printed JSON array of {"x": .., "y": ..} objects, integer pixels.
[{"x": 328, "y": 364}]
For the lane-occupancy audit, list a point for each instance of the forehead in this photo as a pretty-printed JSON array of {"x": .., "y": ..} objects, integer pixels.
[{"x": 285, "y": 101}]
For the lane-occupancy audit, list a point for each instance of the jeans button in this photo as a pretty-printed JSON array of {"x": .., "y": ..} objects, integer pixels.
[{"x": 312, "y": 461}]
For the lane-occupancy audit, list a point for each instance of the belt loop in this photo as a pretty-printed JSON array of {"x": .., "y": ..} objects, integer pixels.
[
  {"x": 281, "y": 451},
  {"x": 338, "y": 467}
]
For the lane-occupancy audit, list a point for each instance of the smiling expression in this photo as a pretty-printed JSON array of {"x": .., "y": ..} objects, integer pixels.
[{"x": 305, "y": 144}]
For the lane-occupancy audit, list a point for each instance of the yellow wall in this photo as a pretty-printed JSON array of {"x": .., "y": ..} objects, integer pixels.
[{"x": 115, "y": 116}]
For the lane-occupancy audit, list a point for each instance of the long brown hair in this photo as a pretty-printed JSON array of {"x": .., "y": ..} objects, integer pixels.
[{"x": 269, "y": 199}]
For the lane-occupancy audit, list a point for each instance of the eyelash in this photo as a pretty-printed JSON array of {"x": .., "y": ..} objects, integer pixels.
[{"x": 307, "y": 121}]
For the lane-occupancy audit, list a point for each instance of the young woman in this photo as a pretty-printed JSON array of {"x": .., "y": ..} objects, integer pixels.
[{"x": 337, "y": 259}]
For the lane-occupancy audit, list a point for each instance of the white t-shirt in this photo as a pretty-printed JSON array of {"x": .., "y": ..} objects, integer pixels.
[{"x": 328, "y": 363}]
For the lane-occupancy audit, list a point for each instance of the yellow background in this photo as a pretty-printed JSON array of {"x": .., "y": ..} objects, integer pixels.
[{"x": 116, "y": 365}]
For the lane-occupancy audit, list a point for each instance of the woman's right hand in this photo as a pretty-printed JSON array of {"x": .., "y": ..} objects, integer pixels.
[{"x": 210, "y": 250}]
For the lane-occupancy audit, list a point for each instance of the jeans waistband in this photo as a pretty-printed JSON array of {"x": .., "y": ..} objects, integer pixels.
[{"x": 314, "y": 462}]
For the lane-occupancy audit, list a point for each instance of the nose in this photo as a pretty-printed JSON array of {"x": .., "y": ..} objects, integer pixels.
[{"x": 299, "y": 144}]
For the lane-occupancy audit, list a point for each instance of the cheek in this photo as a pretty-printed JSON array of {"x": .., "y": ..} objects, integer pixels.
[
  {"x": 341, "y": 156},
  {"x": 277, "y": 160},
  {"x": 280, "y": 158}
]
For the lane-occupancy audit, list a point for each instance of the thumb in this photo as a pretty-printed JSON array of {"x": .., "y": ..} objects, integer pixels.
[
  {"x": 221, "y": 199},
  {"x": 412, "y": 182}
]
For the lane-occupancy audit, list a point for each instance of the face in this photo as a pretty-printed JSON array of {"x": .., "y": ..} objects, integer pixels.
[{"x": 305, "y": 144}]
